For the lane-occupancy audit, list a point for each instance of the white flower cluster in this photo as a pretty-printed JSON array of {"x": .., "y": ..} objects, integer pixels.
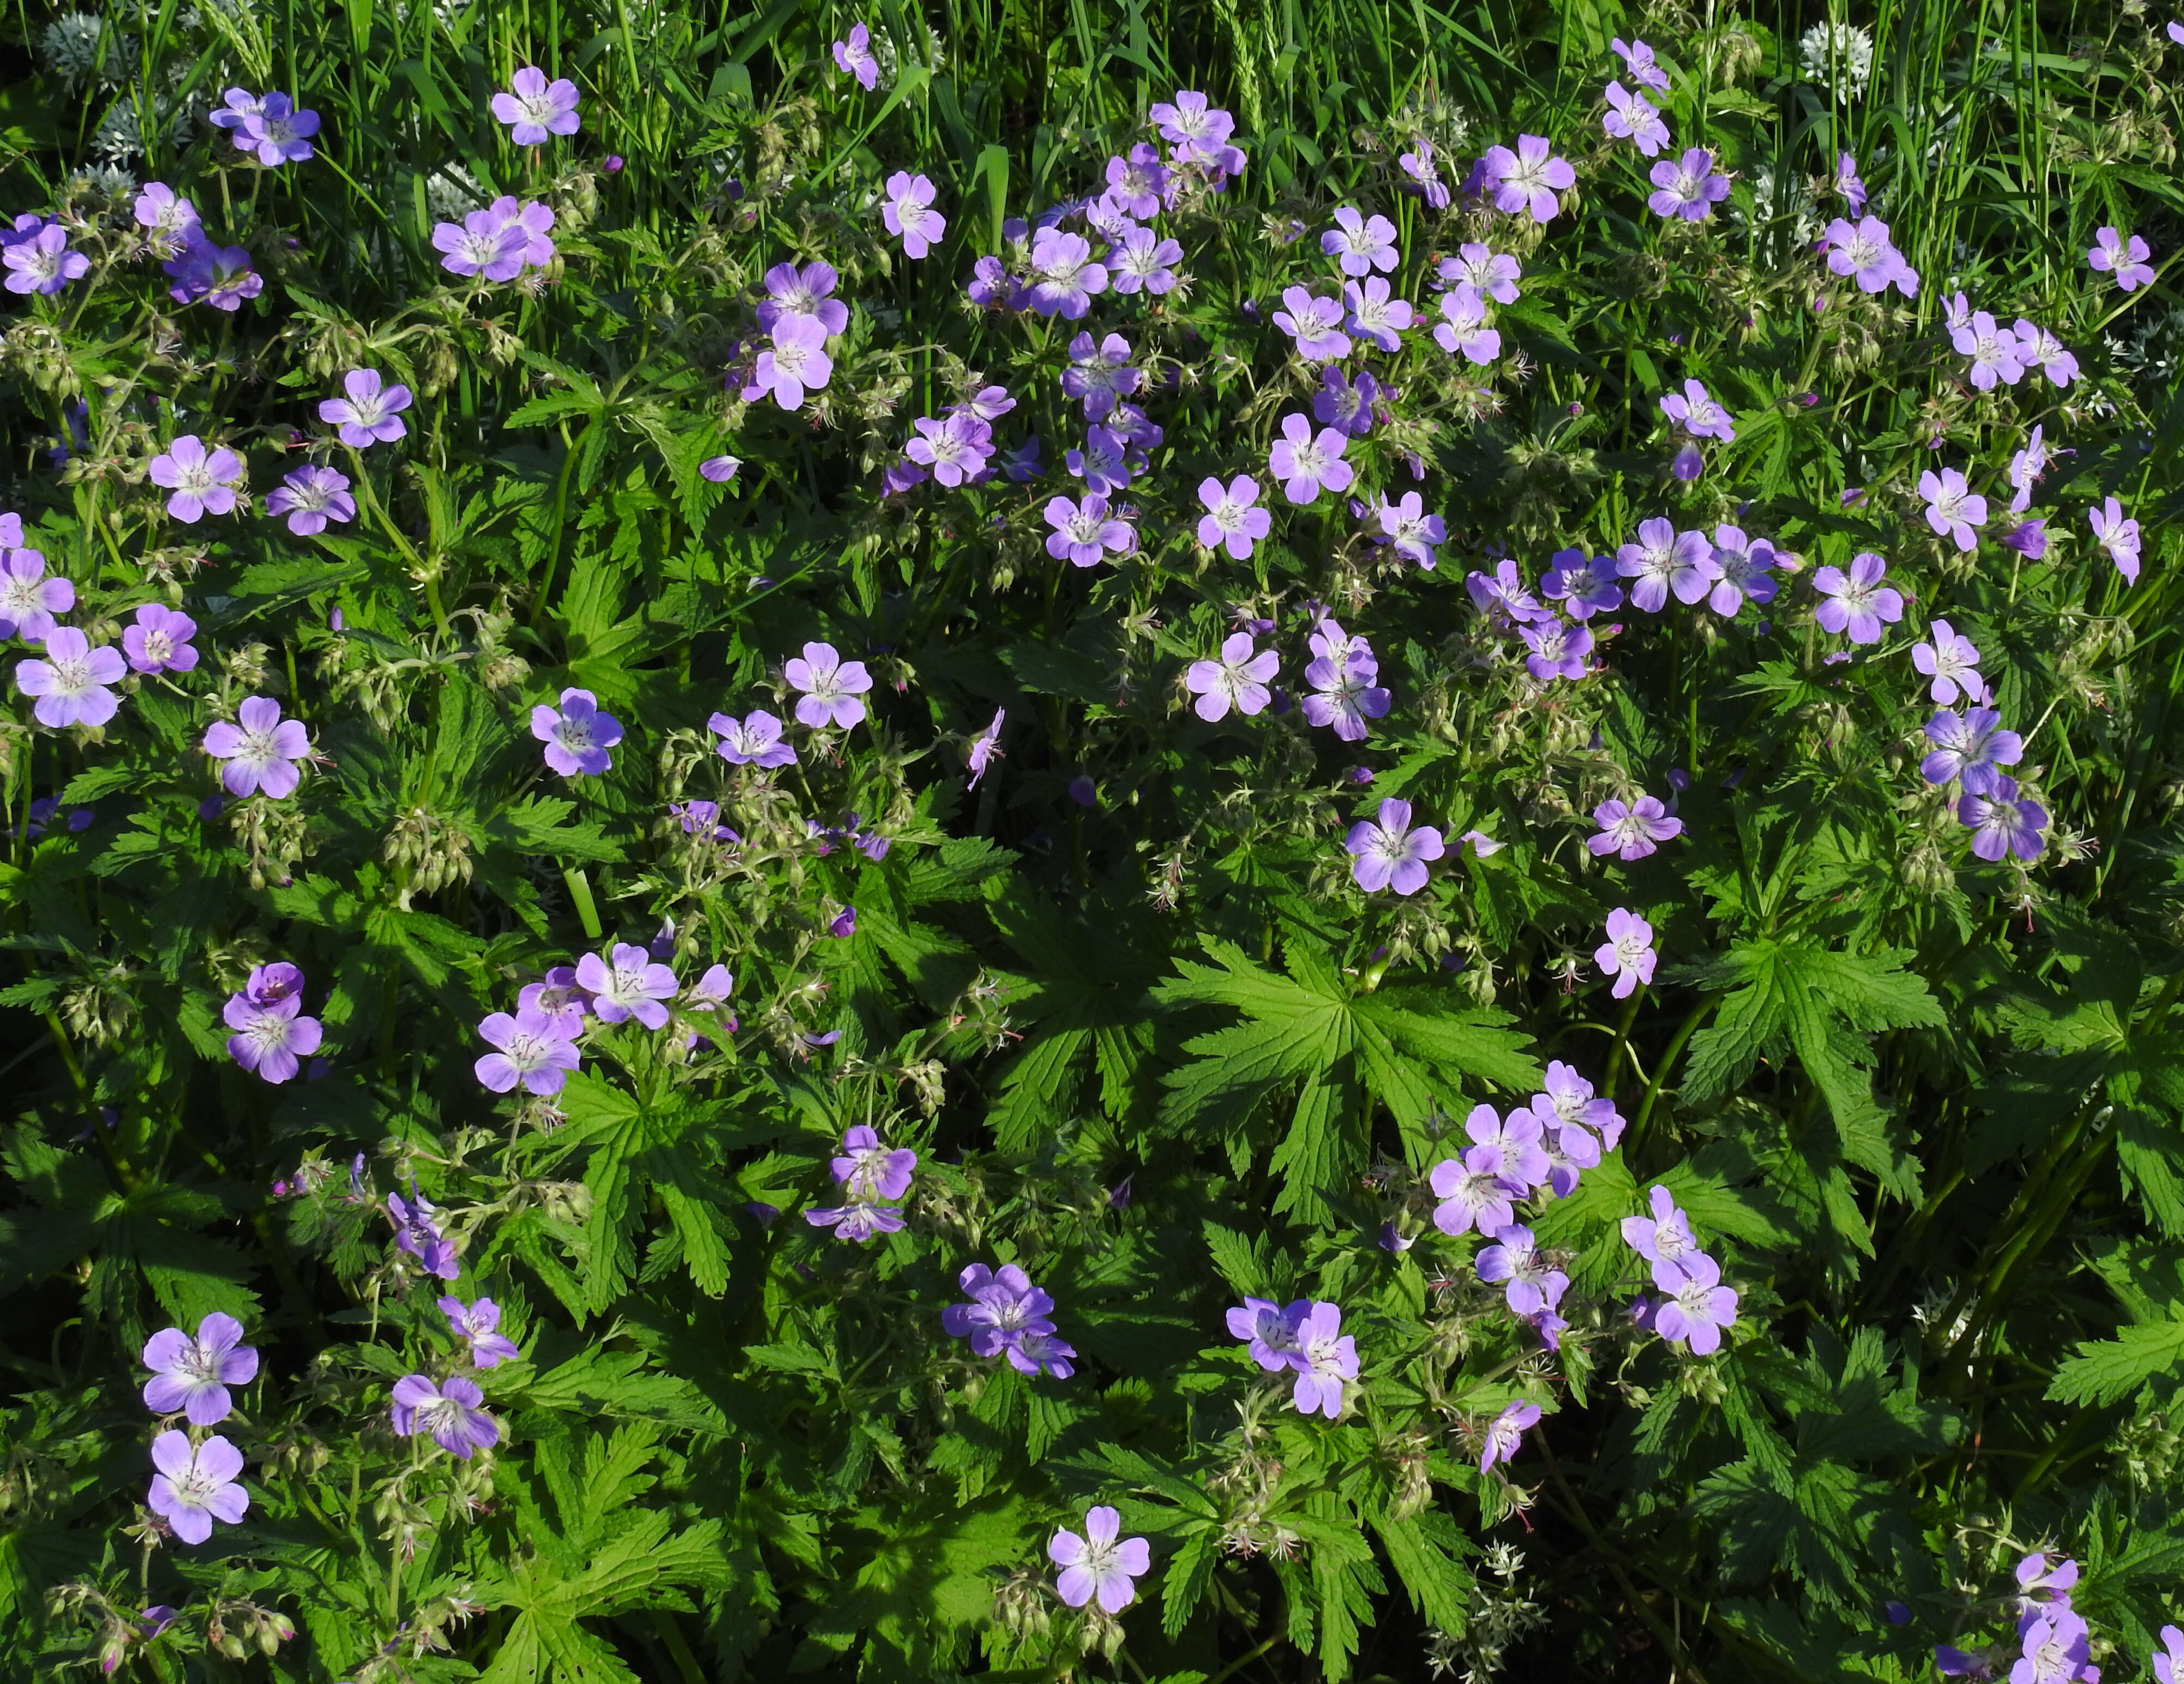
[
  {"x": 77, "y": 47},
  {"x": 1827, "y": 50}
]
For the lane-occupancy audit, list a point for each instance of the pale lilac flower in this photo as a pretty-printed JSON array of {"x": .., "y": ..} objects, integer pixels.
[
  {"x": 1514, "y": 1263},
  {"x": 1529, "y": 178},
  {"x": 1343, "y": 403},
  {"x": 2038, "y": 348},
  {"x": 371, "y": 412},
  {"x": 1696, "y": 1307},
  {"x": 1004, "y": 1307},
  {"x": 1494, "y": 274},
  {"x": 806, "y": 292},
  {"x": 720, "y": 469},
  {"x": 1314, "y": 323},
  {"x": 1863, "y": 252},
  {"x": 1631, "y": 117},
  {"x": 1993, "y": 350},
  {"x": 206, "y": 271},
  {"x": 1628, "y": 954},
  {"x": 794, "y": 365},
  {"x": 203, "y": 482},
  {"x": 1099, "y": 375},
  {"x": 42, "y": 262},
  {"x": 1101, "y": 1563},
  {"x": 2169, "y": 1665},
  {"x": 1345, "y": 694},
  {"x": 2114, "y": 533},
  {"x": 853, "y": 57},
  {"x": 310, "y": 497},
  {"x": 276, "y": 132},
  {"x": 1330, "y": 1358},
  {"x": 532, "y": 219},
  {"x": 1953, "y": 510},
  {"x": 159, "y": 641},
  {"x": 1238, "y": 679},
  {"x": 1304, "y": 463},
  {"x": 1970, "y": 748},
  {"x": 634, "y": 985},
  {"x": 1517, "y": 1140},
  {"x": 1502, "y": 594},
  {"x": 985, "y": 748},
  {"x": 477, "y": 1325},
  {"x": 1145, "y": 261},
  {"x": 1559, "y": 649},
  {"x": 909, "y": 212},
  {"x": 165, "y": 216},
  {"x": 1956, "y": 312},
  {"x": 1232, "y": 517},
  {"x": 1747, "y": 566},
  {"x": 828, "y": 687},
  {"x": 534, "y": 1047},
  {"x": 1847, "y": 184},
  {"x": 1665, "y": 1238},
  {"x": 1375, "y": 315},
  {"x": 2053, "y": 1648},
  {"x": 2025, "y": 468},
  {"x": 1418, "y": 165},
  {"x": 192, "y": 1375},
  {"x": 1632, "y": 831},
  {"x": 1390, "y": 853},
  {"x": 1136, "y": 181},
  {"x": 194, "y": 1485},
  {"x": 2127, "y": 260},
  {"x": 576, "y": 734},
  {"x": 1570, "y": 1147},
  {"x": 1064, "y": 278},
  {"x": 1638, "y": 57},
  {"x": 480, "y": 244},
  {"x": 416, "y": 1234},
  {"x": 237, "y": 107},
  {"x": 271, "y": 1039},
  {"x": 1104, "y": 463},
  {"x": 1506, "y": 1432},
  {"x": 1270, "y": 1332},
  {"x": 71, "y": 682},
  {"x": 1042, "y": 1354},
  {"x": 1474, "y": 1192},
  {"x": 1698, "y": 415},
  {"x": 858, "y": 1221},
  {"x": 868, "y": 1169},
  {"x": 1686, "y": 187},
  {"x": 29, "y": 600},
  {"x": 1411, "y": 530},
  {"x": 1583, "y": 587},
  {"x": 2002, "y": 824},
  {"x": 535, "y": 109},
  {"x": 2042, "y": 1587},
  {"x": 1570, "y": 1102},
  {"x": 450, "y": 1411},
  {"x": 1085, "y": 533},
  {"x": 1360, "y": 245},
  {"x": 1197, "y": 132},
  {"x": 1663, "y": 558},
  {"x": 1464, "y": 325},
  {"x": 1856, "y": 602},
  {"x": 1952, "y": 662},
  {"x": 955, "y": 448},
  {"x": 260, "y": 749}
]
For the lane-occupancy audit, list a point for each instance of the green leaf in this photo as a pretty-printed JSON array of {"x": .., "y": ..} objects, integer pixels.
[{"x": 2108, "y": 1370}]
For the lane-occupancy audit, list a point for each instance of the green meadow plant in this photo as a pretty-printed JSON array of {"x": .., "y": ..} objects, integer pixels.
[{"x": 1239, "y": 842}]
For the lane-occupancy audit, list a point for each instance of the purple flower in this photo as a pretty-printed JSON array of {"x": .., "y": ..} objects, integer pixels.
[
  {"x": 1514, "y": 1263},
  {"x": 1101, "y": 1563},
  {"x": 43, "y": 262},
  {"x": 1270, "y": 1332},
  {"x": 1493, "y": 274},
  {"x": 2053, "y": 1648},
  {"x": 476, "y": 1325},
  {"x": 238, "y": 106},
  {"x": 1360, "y": 247},
  {"x": 634, "y": 985},
  {"x": 1583, "y": 587},
  {"x": 536, "y": 109},
  {"x": 1698, "y": 415},
  {"x": 1004, "y": 1307},
  {"x": 1328, "y": 1357},
  {"x": 867, "y": 1168},
  {"x": 1952, "y": 662},
  {"x": 1856, "y": 602},
  {"x": 1631, "y": 832},
  {"x": 1863, "y": 252},
  {"x": 165, "y": 216},
  {"x": 206, "y": 271},
  {"x": 1145, "y": 261},
  {"x": 193, "y": 1374},
  {"x": 1418, "y": 165},
  {"x": 1746, "y": 565},
  {"x": 1686, "y": 187},
  {"x": 2169, "y": 1665},
  {"x": 1527, "y": 179},
  {"x": 1315, "y": 323},
  {"x": 260, "y": 749},
  {"x": 1238, "y": 679},
  {"x": 576, "y": 734},
  {"x": 2028, "y": 538},
  {"x": 1628, "y": 954},
  {"x": 1084, "y": 533},
  {"x": 1631, "y": 117},
  {"x": 1502, "y": 595},
  {"x": 858, "y": 1221},
  {"x": 795, "y": 363},
  {"x": 984, "y": 749},
  {"x": 448, "y": 1411},
  {"x": 1098, "y": 376},
  {"x": 806, "y": 292},
  {"x": 276, "y": 131},
  {"x": 1104, "y": 463},
  {"x": 1390, "y": 854},
  {"x": 530, "y": 219},
  {"x": 1953, "y": 510},
  {"x": 1665, "y": 1238},
  {"x": 2117, "y": 536},
  {"x": 1567, "y": 1098},
  {"x": 2038, "y": 348},
  {"x": 534, "y": 1047},
  {"x": 370, "y": 413},
  {"x": 719, "y": 469},
  {"x": 1374, "y": 316},
  {"x": 1506, "y": 1432},
  {"x": 270, "y": 984},
  {"x": 1993, "y": 351},
  {"x": 29, "y": 599},
  {"x": 828, "y": 687},
  {"x": 560, "y": 996},
  {"x": 1517, "y": 1143},
  {"x": 909, "y": 212},
  {"x": 480, "y": 244},
  {"x": 194, "y": 1485},
  {"x": 2001, "y": 824},
  {"x": 1232, "y": 516},
  {"x": 1970, "y": 748},
  {"x": 310, "y": 497},
  {"x": 1558, "y": 650},
  {"x": 1847, "y": 184},
  {"x": 1638, "y": 58},
  {"x": 1411, "y": 530},
  {"x": 752, "y": 740},
  {"x": 1474, "y": 1192},
  {"x": 203, "y": 482},
  {"x": 1064, "y": 275},
  {"x": 2112, "y": 254},
  {"x": 1463, "y": 327},
  {"x": 955, "y": 448},
  {"x": 1198, "y": 132},
  {"x": 1136, "y": 182},
  {"x": 1304, "y": 463},
  {"x": 1345, "y": 694},
  {"x": 1696, "y": 1308},
  {"x": 271, "y": 1039},
  {"x": 1664, "y": 559},
  {"x": 853, "y": 57},
  {"x": 1340, "y": 404},
  {"x": 71, "y": 682}
]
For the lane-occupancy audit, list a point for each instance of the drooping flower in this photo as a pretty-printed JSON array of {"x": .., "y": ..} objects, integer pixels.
[
  {"x": 1628, "y": 954},
  {"x": 535, "y": 110},
  {"x": 1463, "y": 330},
  {"x": 532, "y": 1047},
  {"x": 192, "y": 1375},
  {"x": 1360, "y": 245},
  {"x": 752, "y": 740},
  {"x": 310, "y": 497},
  {"x": 1101, "y": 1563},
  {"x": 853, "y": 57},
  {"x": 2002, "y": 824},
  {"x": 1315, "y": 323},
  {"x": 417, "y": 1235},
  {"x": 1969, "y": 749},
  {"x": 1639, "y": 58},
  {"x": 857, "y": 1221},
  {"x": 1506, "y": 1432},
  {"x": 985, "y": 748},
  {"x": 1632, "y": 831},
  {"x": 372, "y": 413},
  {"x": 828, "y": 687},
  {"x": 1232, "y": 519},
  {"x": 2114, "y": 533},
  {"x": 576, "y": 734},
  {"x": 272, "y": 1037},
  {"x": 29, "y": 599},
  {"x": 1238, "y": 679},
  {"x": 477, "y": 1325},
  {"x": 203, "y": 482},
  {"x": 2126, "y": 259},
  {"x": 1847, "y": 184},
  {"x": 634, "y": 985},
  {"x": 1856, "y": 602},
  {"x": 449, "y": 1411},
  {"x": 1696, "y": 1306},
  {"x": 1418, "y": 165},
  {"x": 909, "y": 212},
  {"x": 1085, "y": 533},
  {"x": 1388, "y": 853},
  {"x": 1697, "y": 414},
  {"x": 1686, "y": 187},
  {"x": 1501, "y": 595},
  {"x": 720, "y": 469},
  {"x": 260, "y": 749},
  {"x": 194, "y": 1485},
  {"x": 1952, "y": 662},
  {"x": 1529, "y": 178},
  {"x": 43, "y": 262},
  {"x": 1631, "y": 116},
  {"x": 1953, "y": 510},
  {"x": 69, "y": 684},
  {"x": 1328, "y": 1359},
  {"x": 1306, "y": 462}
]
